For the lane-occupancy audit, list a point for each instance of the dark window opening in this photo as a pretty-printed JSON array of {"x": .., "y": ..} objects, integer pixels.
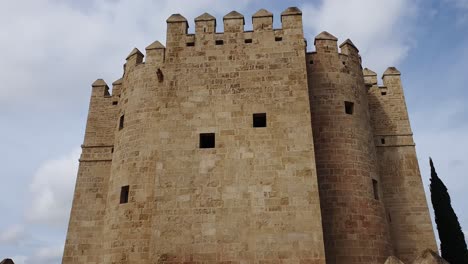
[
  {"x": 112, "y": 150},
  {"x": 311, "y": 62},
  {"x": 389, "y": 218},
  {"x": 278, "y": 38},
  {"x": 375, "y": 186},
  {"x": 349, "y": 107},
  {"x": 259, "y": 120},
  {"x": 121, "y": 122},
  {"x": 160, "y": 75},
  {"x": 248, "y": 41},
  {"x": 115, "y": 103},
  {"x": 219, "y": 42},
  {"x": 344, "y": 62},
  {"x": 124, "y": 194},
  {"x": 207, "y": 140},
  {"x": 383, "y": 93},
  {"x": 382, "y": 140},
  {"x": 204, "y": 29},
  {"x": 190, "y": 44}
]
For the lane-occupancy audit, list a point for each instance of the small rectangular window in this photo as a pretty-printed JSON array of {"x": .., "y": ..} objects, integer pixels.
[
  {"x": 375, "y": 186},
  {"x": 248, "y": 41},
  {"x": 115, "y": 103},
  {"x": 383, "y": 93},
  {"x": 349, "y": 107},
  {"x": 278, "y": 39},
  {"x": 190, "y": 44},
  {"x": 124, "y": 194},
  {"x": 259, "y": 120},
  {"x": 121, "y": 122},
  {"x": 311, "y": 62},
  {"x": 219, "y": 42},
  {"x": 382, "y": 141},
  {"x": 207, "y": 140}
]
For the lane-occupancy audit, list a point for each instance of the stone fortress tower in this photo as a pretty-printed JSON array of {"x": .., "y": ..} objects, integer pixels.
[{"x": 242, "y": 147}]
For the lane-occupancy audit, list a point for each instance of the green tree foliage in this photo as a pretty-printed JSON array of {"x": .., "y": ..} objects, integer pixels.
[{"x": 452, "y": 239}]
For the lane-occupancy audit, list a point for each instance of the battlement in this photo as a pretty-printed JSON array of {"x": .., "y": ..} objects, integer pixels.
[
  {"x": 389, "y": 77},
  {"x": 327, "y": 43}
]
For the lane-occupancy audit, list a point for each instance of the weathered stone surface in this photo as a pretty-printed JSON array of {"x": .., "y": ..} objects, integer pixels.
[
  {"x": 393, "y": 260},
  {"x": 429, "y": 257},
  {"x": 316, "y": 185}
]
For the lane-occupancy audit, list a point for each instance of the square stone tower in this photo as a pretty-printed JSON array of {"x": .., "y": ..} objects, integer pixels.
[{"x": 239, "y": 147}]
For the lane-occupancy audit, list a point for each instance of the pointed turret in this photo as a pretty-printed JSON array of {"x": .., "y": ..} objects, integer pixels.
[
  {"x": 155, "y": 53},
  {"x": 391, "y": 71},
  {"x": 205, "y": 23},
  {"x": 100, "y": 88},
  {"x": 262, "y": 20},
  {"x": 291, "y": 18},
  {"x": 391, "y": 77},
  {"x": 135, "y": 57},
  {"x": 177, "y": 27},
  {"x": 233, "y": 22},
  {"x": 325, "y": 42},
  {"x": 370, "y": 77},
  {"x": 117, "y": 87}
]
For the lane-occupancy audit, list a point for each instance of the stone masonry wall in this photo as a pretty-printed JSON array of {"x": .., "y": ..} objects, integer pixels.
[
  {"x": 403, "y": 192},
  {"x": 83, "y": 244},
  {"x": 354, "y": 224}
]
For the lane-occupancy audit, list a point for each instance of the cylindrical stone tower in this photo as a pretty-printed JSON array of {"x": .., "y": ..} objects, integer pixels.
[
  {"x": 353, "y": 216},
  {"x": 127, "y": 231}
]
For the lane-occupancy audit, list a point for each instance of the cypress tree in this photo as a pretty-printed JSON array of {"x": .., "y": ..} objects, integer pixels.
[{"x": 452, "y": 239}]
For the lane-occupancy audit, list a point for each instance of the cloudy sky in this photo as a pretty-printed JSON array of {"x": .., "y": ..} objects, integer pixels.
[{"x": 52, "y": 50}]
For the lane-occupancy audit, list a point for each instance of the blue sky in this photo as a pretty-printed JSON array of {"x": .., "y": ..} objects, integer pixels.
[{"x": 53, "y": 50}]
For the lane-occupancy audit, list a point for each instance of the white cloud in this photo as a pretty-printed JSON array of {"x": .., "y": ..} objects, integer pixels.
[
  {"x": 56, "y": 51},
  {"x": 52, "y": 190},
  {"x": 379, "y": 28},
  {"x": 12, "y": 235},
  {"x": 43, "y": 255}
]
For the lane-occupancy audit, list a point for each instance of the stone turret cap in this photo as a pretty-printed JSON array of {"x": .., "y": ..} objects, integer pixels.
[
  {"x": 350, "y": 43},
  {"x": 391, "y": 71},
  {"x": 367, "y": 72},
  {"x": 7, "y": 261},
  {"x": 135, "y": 51},
  {"x": 205, "y": 17},
  {"x": 393, "y": 260},
  {"x": 291, "y": 11},
  {"x": 234, "y": 15},
  {"x": 155, "y": 45},
  {"x": 99, "y": 83},
  {"x": 325, "y": 36},
  {"x": 429, "y": 257},
  {"x": 175, "y": 18},
  {"x": 262, "y": 13},
  {"x": 118, "y": 82}
]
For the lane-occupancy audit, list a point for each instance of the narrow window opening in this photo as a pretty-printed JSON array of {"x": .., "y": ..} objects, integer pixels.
[
  {"x": 344, "y": 62},
  {"x": 389, "y": 218},
  {"x": 259, "y": 120},
  {"x": 248, "y": 41},
  {"x": 349, "y": 108},
  {"x": 124, "y": 194},
  {"x": 311, "y": 62},
  {"x": 204, "y": 29},
  {"x": 382, "y": 140},
  {"x": 190, "y": 44},
  {"x": 121, "y": 122},
  {"x": 115, "y": 103},
  {"x": 219, "y": 42},
  {"x": 207, "y": 140},
  {"x": 278, "y": 39},
  {"x": 375, "y": 186},
  {"x": 383, "y": 93},
  {"x": 112, "y": 150}
]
